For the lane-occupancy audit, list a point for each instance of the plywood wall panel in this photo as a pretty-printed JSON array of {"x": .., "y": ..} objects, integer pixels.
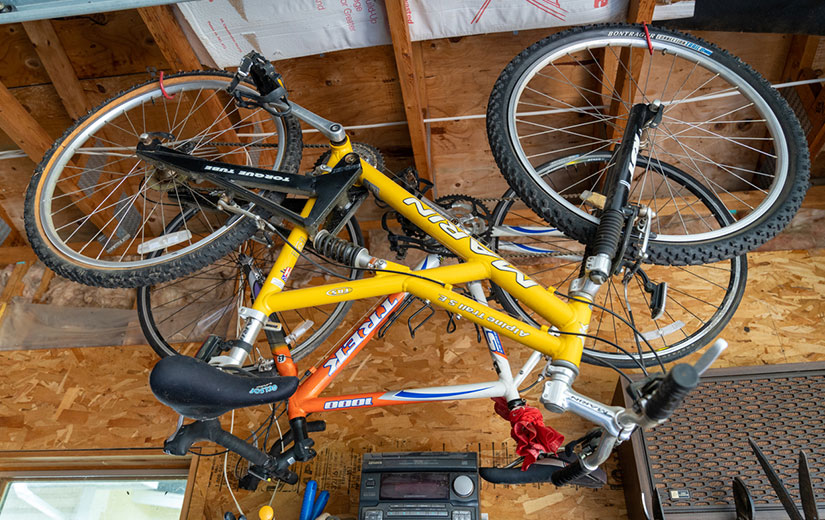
[
  {"x": 353, "y": 87},
  {"x": 463, "y": 161},
  {"x": 460, "y": 72},
  {"x": 100, "y": 45},
  {"x": 766, "y": 53}
]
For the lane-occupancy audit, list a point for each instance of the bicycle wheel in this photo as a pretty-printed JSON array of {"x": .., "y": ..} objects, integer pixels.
[
  {"x": 722, "y": 123},
  {"x": 96, "y": 214},
  {"x": 700, "y": 299},
  {"x": 177, "y": 316}
]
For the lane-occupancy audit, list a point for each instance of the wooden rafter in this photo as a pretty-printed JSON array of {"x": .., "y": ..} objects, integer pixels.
[
  {"x": 409, "y": 76},
  {"x": 27, "y": 133},
  {"x": 640, "y": 11},
  {"x": 798, "y": 66},
  {"x": 169, "y": 37},
  {"x": 14, "y": 254},
  {"x": 53, "y": 56},
  {"x": 178, "y": 52},
  {"x": 801, "y": 54},
  {"x": 14, "y": 285},
  {"x": 56, "y": 62},
  {"x": 14, "y": 237},
  {"x": 21, "y": 127}
]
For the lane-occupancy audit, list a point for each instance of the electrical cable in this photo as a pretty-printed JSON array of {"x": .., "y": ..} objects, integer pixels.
[
  {"x": 634, "y": 329},
  {"x": 225, "y": 476},
  {"x": 251, "y": 436},
  {"x": 537, "y": 381}
]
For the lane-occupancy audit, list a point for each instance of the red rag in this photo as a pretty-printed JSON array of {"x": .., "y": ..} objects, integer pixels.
[{"x": 532, "y": 436}]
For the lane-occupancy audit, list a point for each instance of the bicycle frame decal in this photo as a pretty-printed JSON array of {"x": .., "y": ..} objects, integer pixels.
[
  {"x": 494, "y": 342},
  {"x": 362, "y": 333},
  {"x": 348, "y": 403}
]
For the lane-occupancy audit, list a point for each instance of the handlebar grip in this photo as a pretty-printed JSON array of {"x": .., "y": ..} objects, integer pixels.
[
  {"x": 569, "y": 473},
  {"x": 673, "y": 389}
]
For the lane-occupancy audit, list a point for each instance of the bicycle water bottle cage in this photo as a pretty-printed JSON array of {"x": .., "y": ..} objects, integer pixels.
[{"x": 269, "y": 84}]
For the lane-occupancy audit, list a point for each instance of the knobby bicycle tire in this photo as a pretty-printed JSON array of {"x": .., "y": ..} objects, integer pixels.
[{"x": 527, "y": 130}]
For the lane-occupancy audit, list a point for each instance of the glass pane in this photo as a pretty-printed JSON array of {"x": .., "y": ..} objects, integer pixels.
[{"x": 90, "y": 499}]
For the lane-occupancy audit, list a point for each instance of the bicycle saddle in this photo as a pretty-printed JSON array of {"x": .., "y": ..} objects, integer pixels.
[{"x": 200, "y": 391}]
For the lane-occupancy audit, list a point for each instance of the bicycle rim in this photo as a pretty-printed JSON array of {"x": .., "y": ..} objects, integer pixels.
[
  {"x": 99, "y": 207},
  {"x": 560, "y": 105}
]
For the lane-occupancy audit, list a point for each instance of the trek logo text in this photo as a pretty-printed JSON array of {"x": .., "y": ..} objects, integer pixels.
[{"x": 362, "y": 333}]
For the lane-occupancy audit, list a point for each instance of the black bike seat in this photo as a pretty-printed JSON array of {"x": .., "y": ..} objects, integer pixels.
[{"x": 200, "y": 391}]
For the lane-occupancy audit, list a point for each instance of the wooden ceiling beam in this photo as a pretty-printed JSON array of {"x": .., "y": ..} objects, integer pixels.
[
  {"x": 14, "y": 237},
  {"x": 175, "y": 47},
  {"x": 801, "y": 54},
  {"x": 798, "y": 66},
  {"x": 53, "y": 56},
  {"x": 27, "y": 133},
  {"x": 640, "y": 11},
  {"x": 21, "y": 127},
  {"x": 161, "y": 22},
  {"x": 14, "y": 254},
  {"x": 409, "y": 75},
  {"x": 56, "y": 62}
]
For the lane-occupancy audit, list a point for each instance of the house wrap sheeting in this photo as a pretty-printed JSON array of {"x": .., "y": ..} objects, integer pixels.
[{"x": 228, "y": 29}]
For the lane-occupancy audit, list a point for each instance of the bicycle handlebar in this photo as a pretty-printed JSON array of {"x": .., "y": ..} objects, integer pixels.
[
  {"x": 673, "y": 389},
  {"x": 569, "y": 473},
  {"x": 618, "y": 423}
]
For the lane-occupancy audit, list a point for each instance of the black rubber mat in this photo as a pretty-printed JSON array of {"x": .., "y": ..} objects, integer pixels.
[{"x": 693, "y": 458}]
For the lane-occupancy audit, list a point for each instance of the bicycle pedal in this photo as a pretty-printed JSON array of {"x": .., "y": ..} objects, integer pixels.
[{"x": 658, "y": 300}]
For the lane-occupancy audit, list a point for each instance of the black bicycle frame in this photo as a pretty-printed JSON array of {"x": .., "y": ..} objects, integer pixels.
[{"x": 330, "y": 190}]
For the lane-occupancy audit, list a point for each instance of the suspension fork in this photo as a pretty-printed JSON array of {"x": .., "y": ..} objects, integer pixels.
[{"x": 618, "y": 181}]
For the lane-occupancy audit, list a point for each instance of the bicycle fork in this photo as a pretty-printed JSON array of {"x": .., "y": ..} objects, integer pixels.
[{"x": 599, "y": 266}]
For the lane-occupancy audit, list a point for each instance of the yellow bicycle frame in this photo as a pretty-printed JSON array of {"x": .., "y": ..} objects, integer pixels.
[{"x": 479, "y": 263}]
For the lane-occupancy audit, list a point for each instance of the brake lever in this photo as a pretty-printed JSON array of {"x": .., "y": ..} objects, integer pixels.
[{"x": 710, "y": 356}]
